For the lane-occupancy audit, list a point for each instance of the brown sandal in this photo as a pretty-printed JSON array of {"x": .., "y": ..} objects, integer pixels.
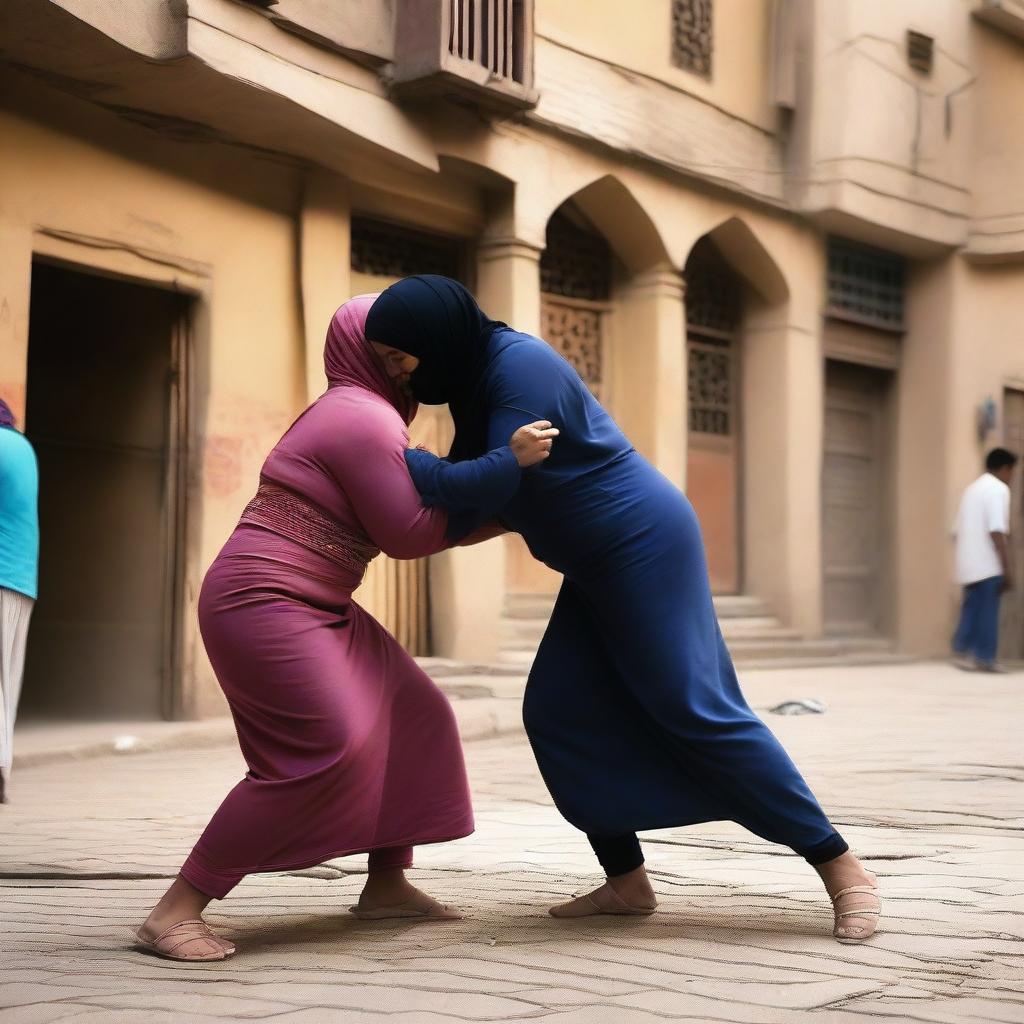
[{"x": 169, "y": 941}]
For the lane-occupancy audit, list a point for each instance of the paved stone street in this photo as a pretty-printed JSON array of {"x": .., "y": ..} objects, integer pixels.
[{"x": 920, "y": 765}]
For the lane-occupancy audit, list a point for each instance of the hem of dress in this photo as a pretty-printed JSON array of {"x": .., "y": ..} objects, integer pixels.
[{"x": 217, "y": 886}]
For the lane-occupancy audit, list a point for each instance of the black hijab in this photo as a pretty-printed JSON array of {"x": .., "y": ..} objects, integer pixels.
[{"x": 438, "y": 321}]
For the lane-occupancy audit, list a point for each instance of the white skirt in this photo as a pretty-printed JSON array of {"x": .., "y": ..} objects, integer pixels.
[{"x": 15, "y": 611}]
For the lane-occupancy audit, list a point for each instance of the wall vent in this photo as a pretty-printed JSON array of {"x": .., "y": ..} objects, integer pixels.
[{"x": 920, "y": 51}]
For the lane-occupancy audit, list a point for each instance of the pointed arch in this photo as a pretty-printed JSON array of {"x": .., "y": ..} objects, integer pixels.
[
  {"x": 748, "y": 257},
  {"x": 619, "y": 216}
]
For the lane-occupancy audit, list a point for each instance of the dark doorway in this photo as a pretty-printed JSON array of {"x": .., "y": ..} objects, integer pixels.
[{"x": 101, "y": 412}]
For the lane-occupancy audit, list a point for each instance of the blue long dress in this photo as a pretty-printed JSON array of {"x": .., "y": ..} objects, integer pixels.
[{"x": 632, "y": 705}]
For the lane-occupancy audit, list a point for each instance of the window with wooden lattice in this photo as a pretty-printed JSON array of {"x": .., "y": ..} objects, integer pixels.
[
  {"x": 575, "y": 273},
  {"x": 692, "y": 39},
  {"x": 710, "y": 385},
  {"x": 714, "y": 307},
  {"x": 865, "y": 285},
  {"x": 394, "y": 250}
]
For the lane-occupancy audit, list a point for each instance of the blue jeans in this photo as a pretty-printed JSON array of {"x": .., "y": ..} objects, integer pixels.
[{"x": 978, "y": 631}]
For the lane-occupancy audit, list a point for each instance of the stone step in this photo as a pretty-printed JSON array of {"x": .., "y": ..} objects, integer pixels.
[
  {"x": 505, "y": 687},
  {"x": 777, "y": 653},
  {"x": 529, "y": 606},
  {"x": 741, "y": 606},
  {"x": 727, "y": 606},
  {"x": 443, "y": 668},
  {"x": 850, "y": 659},
  {"x": 761, "y": 627},
  {"x": 824, "y": 647},
  {"x": 525, "y": 634}
]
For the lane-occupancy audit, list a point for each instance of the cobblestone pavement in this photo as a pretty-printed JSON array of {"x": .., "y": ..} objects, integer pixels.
[{"x": 920, "y": 766}]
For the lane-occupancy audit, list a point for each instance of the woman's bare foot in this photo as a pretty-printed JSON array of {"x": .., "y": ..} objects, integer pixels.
[
  {"x": 628, "y": 895},
  {"x": 182, "y": 902},
  {"x": 389, "y": 894},
  {"x": 854, "y": 894}
]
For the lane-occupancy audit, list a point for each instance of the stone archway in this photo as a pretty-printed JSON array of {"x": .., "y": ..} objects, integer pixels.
[
  {"x": 736, "y": 301},
  {"x": 599, "y": 283}
]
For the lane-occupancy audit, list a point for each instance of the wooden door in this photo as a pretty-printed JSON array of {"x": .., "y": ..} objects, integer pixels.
[
  {"x": 853, "y": 485},
  {"x": 714, "y": 318},
  {"x": 712, "y": 453},
  {"x": 1011, "y": 640}
]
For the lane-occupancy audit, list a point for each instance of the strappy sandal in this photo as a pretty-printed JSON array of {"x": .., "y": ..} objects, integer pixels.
[
  {"x": 169, "y": 941},
  {"x": 422, "y": 907},
  {"x": 603, "y": 900},
  {"x": 854, "y": 933}
]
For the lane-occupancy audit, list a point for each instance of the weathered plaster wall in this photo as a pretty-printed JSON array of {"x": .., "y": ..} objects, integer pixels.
[{"x": 215, "y": 224}]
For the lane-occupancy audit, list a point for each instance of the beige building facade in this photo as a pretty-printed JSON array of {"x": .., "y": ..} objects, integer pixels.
[{"x": 782, "y": 241}]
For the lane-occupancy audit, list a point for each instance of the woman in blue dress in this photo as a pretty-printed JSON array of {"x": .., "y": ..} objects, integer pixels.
[{"x": 632, "y": 705}]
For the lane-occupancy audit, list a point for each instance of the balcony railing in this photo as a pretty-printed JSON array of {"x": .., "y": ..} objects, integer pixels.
[
  {"x": 466, "y": 49},
  {"x": 488, "y": 33}
]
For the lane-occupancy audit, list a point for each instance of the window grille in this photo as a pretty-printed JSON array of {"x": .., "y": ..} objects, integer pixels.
[
  {"x": 392, "y": 250},
  {"x": 468, "y": 51},
  {"x": 710, "y": 385},
  {"x": 714, "y": 309},
  {"x": 573, "y": 329},
  {"x": 576, "y": 262},
  {"x": 865, "y": 285},
  {"x": 491, "y": 33},
  {"x": 692, "y": 36}
]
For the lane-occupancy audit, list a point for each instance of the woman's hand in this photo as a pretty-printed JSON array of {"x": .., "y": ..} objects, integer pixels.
[{"x": 532, "y": 444}]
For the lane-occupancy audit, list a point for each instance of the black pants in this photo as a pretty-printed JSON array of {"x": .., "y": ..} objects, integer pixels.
[{"x": 619, "y": 855}]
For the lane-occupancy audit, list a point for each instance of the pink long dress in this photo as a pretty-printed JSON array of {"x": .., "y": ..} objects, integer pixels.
[{"x": 350, "y": 746}]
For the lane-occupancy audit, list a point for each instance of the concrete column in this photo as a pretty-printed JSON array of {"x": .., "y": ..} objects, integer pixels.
[
  {"x": 934, "y": 424},
  {"x": 508, "y": 282},
  {"x": 647, "y": 394},
  {"x": 15, "y": 291},
  {"x": 783, "y": 396},
  {"x": 467, "y": 585},
  {"x": 325, "y": 262}
]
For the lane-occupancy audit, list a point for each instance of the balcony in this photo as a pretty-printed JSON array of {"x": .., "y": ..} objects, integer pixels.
[
  {"x": 477, "y": 51},
  {"x": 1007, "y": 15}
]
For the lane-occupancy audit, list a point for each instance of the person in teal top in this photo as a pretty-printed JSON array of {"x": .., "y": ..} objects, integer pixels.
[{"x": 19, "y": 573}]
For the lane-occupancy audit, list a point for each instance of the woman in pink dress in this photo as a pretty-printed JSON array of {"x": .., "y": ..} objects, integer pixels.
[{"x": 350, "y": 746}]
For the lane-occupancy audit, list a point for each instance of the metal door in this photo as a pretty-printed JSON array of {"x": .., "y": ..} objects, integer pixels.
[{"x": 852, "y": 487}]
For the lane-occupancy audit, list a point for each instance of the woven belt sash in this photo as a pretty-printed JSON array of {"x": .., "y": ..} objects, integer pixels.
[{"x": 285, "y": 513}]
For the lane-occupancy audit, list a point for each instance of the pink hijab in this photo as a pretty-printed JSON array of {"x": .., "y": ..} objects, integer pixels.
[{"x": 350, "y": 362}]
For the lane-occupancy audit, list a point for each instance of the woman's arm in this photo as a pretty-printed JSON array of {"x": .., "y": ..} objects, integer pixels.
[
  {"x": 367, "y": 462},
  {"x": 475, "y": 490},
  {"x": 487, "y": 482}
]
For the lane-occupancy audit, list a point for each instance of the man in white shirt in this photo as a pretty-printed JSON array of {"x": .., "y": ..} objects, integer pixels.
[{"x": 983, "y": 562}]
